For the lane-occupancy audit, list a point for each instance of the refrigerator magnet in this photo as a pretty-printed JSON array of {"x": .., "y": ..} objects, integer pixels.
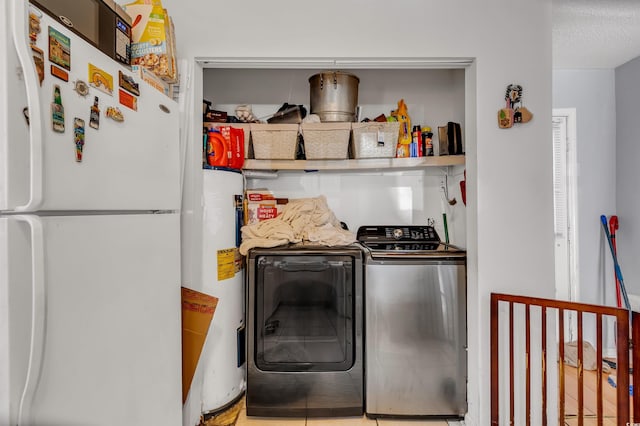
[
  {"x": 128, "y": 83},
  {"x": 115, "y": 114},
  {"x": 57, "y": 111},
  {"x": 128, "y": 100},
  {"x": 78, "y": 137},
  {"x": 100, "y": 79},
  {"x": 81, "y": 88},
  {"x": 38, "y": 60},
  {"x": 34, "y": 24},
  {"x": 60, "y": 73},
  {"x": 94, "y": 114},
  {"x": 59, "y": 49}
]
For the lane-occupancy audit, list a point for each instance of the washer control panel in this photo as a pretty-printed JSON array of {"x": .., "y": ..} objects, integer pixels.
[{"x": 424, "y": 233}]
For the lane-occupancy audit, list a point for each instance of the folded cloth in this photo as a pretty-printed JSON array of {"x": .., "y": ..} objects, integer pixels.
[{"x": 303, "y": 219}]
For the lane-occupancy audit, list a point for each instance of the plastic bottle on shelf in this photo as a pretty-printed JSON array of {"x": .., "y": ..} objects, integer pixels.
[
  {"x": 416, "y": 142},
  {"x": 427, "y": 143}
]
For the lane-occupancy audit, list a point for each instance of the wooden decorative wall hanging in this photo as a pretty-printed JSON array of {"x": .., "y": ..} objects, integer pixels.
[{"x": 513, "y": 112}]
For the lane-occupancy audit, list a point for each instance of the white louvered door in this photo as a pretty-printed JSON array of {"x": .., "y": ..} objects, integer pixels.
[{"x": 565, "y": 203}]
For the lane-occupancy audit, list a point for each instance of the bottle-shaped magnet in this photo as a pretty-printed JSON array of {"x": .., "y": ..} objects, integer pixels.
[
  {"x": 57, "y": 111},
  {"x": 94, "y": 116},
  {"x": 78, "y": 137}
]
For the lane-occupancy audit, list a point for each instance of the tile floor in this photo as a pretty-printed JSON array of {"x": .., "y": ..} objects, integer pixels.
[{"x": 243, "y": 420}]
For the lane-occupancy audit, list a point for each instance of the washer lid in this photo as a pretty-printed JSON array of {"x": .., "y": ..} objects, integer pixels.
[{"x": 414, "y": 250}]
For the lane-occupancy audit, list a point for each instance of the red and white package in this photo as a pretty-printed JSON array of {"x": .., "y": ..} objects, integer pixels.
[
  {"x": 234, "y": 138},
  {"x": 262, "y": 205},
  {"x": 236, "y": 148}
]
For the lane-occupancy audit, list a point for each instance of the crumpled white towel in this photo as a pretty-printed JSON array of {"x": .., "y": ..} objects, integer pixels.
[{"x": 304, "y": 219}]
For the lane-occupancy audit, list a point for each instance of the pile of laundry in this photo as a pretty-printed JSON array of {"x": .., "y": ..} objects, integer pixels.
[{"x": 303, "y": 219}]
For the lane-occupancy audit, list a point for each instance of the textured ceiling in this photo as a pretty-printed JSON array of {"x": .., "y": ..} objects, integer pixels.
[{"x": 595, "y": 33}]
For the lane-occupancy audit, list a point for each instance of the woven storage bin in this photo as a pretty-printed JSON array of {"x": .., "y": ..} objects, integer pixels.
[
  {"x": 374, "y": 139},
  {"x": 246, "y": 128},
  {"x": 274, "y": 141},
  {"x": 326, "y": 141}
]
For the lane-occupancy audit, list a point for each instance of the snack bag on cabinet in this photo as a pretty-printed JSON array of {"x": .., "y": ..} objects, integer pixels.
[{"x": 151, "y": 46}]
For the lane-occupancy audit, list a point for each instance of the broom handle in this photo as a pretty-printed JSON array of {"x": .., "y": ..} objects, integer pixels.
[
  {"x": 613, "y": 226},
  {"x": 616, "y": 266}
]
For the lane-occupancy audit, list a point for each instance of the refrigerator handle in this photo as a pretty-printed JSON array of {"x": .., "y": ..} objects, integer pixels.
[
  {"x": 19, "y": 24},
  {"x": 38, "y": 306}
]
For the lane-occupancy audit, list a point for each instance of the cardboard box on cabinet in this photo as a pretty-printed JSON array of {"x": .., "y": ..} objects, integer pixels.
[{"x": 152, "y": 38}]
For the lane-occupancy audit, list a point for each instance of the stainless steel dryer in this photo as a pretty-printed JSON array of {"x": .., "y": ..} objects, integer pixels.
[
  {"x": 415, "y": 323},
  {"x": 304, "y": 331}
]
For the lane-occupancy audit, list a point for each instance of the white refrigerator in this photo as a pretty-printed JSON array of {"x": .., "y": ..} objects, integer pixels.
[{"x": 89, "y": 250}]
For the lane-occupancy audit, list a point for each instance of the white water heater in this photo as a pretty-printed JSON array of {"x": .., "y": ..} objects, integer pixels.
[{"x": 219, "y": 378}]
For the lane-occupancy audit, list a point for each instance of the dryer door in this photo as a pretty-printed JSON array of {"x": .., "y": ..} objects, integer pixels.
[{"x": 305, "y": 313}]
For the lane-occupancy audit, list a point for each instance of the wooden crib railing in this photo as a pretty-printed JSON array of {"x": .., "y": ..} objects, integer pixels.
[{"x": 512, "y": 320}]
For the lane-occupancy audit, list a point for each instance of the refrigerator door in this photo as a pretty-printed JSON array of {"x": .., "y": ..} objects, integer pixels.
[
  {"x": 132, "y": 164},
  {"x": 91, "y": 335}
]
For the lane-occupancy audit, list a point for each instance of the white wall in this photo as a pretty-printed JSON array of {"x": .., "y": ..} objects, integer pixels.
[
  {"x": 401, "y": 197},
  {"x": 509, "y": 172},
  {"x": 628, "y": 172},
  {"x": 592, "y": 94}
]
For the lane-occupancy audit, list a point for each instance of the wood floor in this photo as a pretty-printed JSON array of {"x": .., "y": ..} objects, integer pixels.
[{"x": 590, "y": 398}]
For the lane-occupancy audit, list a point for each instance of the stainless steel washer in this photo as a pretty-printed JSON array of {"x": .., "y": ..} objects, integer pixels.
[{"x": 415, "y": 323}]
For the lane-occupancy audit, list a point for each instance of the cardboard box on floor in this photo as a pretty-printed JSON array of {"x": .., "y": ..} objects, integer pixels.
[{"x": 197, "y": 313}]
